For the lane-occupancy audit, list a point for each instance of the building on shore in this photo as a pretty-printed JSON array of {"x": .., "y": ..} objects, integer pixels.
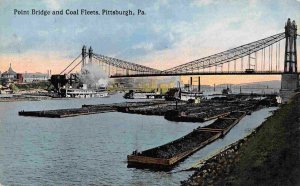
[
  {"x": 10, "y": 76},
  {"x": 35, "y": 77}
]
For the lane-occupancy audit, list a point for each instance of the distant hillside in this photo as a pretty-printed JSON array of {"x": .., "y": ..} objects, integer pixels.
[
  {"x": 271, "y": 84},
  {"x": 276, "y": 84}
]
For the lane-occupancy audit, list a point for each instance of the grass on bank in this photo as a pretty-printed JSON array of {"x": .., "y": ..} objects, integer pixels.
[
  {"x": 269, "y": 138},
  {"x": 268, "y": 155}
]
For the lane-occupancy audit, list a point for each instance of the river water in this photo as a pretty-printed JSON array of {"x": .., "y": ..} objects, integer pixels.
[{"x": 92, "y": 149}]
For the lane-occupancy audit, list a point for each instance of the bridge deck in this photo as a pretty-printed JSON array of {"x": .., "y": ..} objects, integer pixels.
[{"x": 198, "y": 73}]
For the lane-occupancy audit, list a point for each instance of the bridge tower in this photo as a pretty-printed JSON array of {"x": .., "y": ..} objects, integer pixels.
[
  {"x": 290, "y": 58},
  {"x": 83, "y": 53},
  {"x": 290, "y": 77},
  {"x": 90, "y": 55}
]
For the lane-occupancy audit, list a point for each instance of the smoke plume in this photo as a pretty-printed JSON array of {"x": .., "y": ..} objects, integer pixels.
[{"x": 93, "y": 76}]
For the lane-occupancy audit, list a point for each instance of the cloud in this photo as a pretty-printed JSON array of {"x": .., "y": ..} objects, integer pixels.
[
  {"x": 158, "y": 4},
  {"x": 43, "y": 33},
  {"x": 147, "y": 46},
  {"x": 253, "y": 2},
  {"x": 11, "y": 42},
  {"x": 191, "y": 44},
  {"x": 201, "y": 3},
  {"x": 53, "y": 4},
  {"x": 80, "y": 30}
]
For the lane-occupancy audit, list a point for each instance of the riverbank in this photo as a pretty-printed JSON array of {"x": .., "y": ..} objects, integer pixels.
[{"x": 269, "y": 156}]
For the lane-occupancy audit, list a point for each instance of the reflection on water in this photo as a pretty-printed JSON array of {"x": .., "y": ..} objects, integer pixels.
[{"x": 92, "y": 149}]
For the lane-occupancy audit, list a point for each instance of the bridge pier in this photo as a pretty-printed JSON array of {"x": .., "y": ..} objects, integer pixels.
[
  {"x": 290, "y": 78},
  {"x": 289, "y": 86}
]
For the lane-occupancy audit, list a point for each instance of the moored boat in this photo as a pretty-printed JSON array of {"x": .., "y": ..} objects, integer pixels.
[{"x": 84, "y": 93}]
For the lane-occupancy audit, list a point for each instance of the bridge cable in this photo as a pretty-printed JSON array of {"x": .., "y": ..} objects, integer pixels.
[
  {"x": 70, "y": 64},
  {"x": 228, "y": 67},
  {"x": 235, "y": 65},
  {"x": 242, "y": 64},
  {"x": 255, "y": 61},
  {"x": 76, "y": 65},
  {"x": 276, "y": 56},
  {"x": 271, "y": 57},
  {"x": 261, "y": 60},
  {"x": 264, "y": 62},
  {"x": 124, "y": 64},
  {"x": 279, "y": 56},
  {"x": 231, "y": 54}
]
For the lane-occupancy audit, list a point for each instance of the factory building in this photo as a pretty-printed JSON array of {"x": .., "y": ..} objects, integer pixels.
[
  {"x": 35, "y": 77},
  {"x": 11, "y": 76}
]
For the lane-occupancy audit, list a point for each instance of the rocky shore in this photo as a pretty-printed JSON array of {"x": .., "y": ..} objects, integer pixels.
[
  {"x": 217, "y": 167},
  {"x": 270, "y": 155}
]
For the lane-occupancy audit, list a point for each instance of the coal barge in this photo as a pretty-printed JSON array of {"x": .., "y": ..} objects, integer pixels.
[
  {"x": 143, "y": 95},
  {"x": 165, "y": 157},
  {"x": 85, "y": 110}
]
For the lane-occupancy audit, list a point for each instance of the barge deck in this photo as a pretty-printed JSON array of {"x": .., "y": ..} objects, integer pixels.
[
  {"x": 62, "y": 113},
  {"x": 165, "y": 157},
  {"x": 84, "y": 110}
]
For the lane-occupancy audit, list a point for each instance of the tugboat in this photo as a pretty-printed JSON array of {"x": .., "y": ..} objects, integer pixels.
[
  {"x": 178, "y": 94},
  {"x": 226, "y": 91},
  {"x": 84, "y": 92},
  {"x": 186, "y": 94},
  {"x": 190, "y": 96},
  {"x": 70, "y": 86},
  {"x": 173, "y": 94},
  {"x": 128, "y": 95}
]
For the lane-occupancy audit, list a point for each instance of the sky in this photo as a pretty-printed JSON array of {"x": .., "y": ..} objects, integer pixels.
[{"x": 171, "y": 32}]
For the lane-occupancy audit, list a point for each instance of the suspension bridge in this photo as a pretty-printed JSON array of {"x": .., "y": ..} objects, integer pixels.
[
  {"x": 273, "y": 55},
  {"x": 262, "y": 57}
]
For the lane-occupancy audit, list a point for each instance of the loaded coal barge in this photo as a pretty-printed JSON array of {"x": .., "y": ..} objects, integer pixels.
[
  {"x": 165, "y": 157},
  {"x": 143, "y": 95}
]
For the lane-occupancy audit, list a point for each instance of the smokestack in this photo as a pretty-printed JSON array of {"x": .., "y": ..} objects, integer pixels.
[
  {"x": 199, "y": 84},
  {"x": 90, "y": 54},
  {"x": 83, "y": 52},
  {"x": 214, "y": 87},
  {"x": 191, "y": 83}
]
